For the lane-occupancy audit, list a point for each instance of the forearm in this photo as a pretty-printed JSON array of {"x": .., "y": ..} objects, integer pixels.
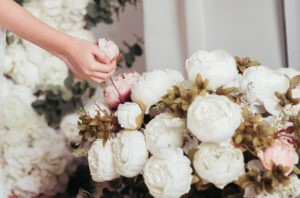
[{"x": 16, "y": 19}]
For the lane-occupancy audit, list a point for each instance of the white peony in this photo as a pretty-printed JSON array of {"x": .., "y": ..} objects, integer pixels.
[
  {"x": 213, "y": 118},
  {"x": 290, "y": 72},
  {"x": 68, "y": 127},
  {"x": 130, "y": 153},
  {"x": 53, "y": 73},
  {"x": 262, "y": 83},
  {"x": 151, "y": 86},
  {"x": 101, "y": 161},
  {"x": 164, "y": 131},
  {"x": 218, "y": 67},
  {"x": 130, "y": 115},
  {"x": 168, "y": 174},
  {"x": 217, "y": 164}
]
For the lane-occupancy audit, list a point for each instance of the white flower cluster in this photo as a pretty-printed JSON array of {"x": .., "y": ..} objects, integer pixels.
[
  {"x": 204, "y": 135},
  {"x": 30, "y": 162},
  {"x": 46, "y": 71}
]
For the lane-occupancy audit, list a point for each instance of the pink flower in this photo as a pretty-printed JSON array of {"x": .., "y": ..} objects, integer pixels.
[
  {"x": 119, "y": 91},
  {"x": 281, "y": 152},
  {"x": 109, "y": 48}
]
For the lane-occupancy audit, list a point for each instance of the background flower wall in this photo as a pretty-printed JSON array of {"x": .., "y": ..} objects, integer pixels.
[{"x": 41, "y": 99}]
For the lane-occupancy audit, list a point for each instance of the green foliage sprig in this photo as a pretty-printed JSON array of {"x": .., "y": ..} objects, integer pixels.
[
  {"x": 57, "y": 103},
  {"x": 104, "y": 10}
]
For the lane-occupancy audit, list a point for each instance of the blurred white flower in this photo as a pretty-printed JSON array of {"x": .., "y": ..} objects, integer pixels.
[
  {"x": 213, "y": 118},
  {"x": 168, "y": 174},
  {"x": 130, "y": 153},
  {"x": 101, "y": 161},
  {"x": 17, "y": 111},
  {"x": 151, "y": 86},
  {"x": 130, "y": 115},
  {"x": 218, "y": 67},
  {"x": 17, "y": 65},
  {"x": 68, "y": 127},
  {"x": 31, "y": 168},
  {"x": 217, "y": 164},
  {"x": 53, "y": 73},
  {"x": 164, "y": 131}
]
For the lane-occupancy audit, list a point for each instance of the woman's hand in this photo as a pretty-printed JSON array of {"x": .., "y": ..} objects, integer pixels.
[{"x": 87, "y": 61}]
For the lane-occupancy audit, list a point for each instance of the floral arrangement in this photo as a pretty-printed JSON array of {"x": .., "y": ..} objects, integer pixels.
[{"x": 230, "y": 130}]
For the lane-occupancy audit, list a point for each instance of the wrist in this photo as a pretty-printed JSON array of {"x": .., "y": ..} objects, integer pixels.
[{"x": 64, "y": 46}]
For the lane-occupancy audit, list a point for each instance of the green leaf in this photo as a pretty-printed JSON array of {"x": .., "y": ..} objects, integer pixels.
[
  {"x": 39, "y": 106},
  {"x": 69, "y": 82},
  {"x": 92, "y": 10},
  {"x": 137, "y": 49}
]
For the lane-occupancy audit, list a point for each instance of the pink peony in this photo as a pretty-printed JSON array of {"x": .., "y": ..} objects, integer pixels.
[
  {"x": 119, "y": 91},
  {"x": 281, "y": 152},
  {"x": 109, "y": 48}
]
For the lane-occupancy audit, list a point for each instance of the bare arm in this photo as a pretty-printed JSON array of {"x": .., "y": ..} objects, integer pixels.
[{"x": 84, "y": 59}]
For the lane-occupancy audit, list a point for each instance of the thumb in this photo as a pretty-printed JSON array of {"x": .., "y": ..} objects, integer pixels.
[{"x": 101, "y": 56}]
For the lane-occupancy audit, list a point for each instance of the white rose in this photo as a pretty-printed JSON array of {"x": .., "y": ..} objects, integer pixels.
[
  {"x": 262, "y": 83},
  {"x": 53, "y": 73},
  {"x": 17, "y": 65},
  {"x": 130, "y": 115},
  {"x": 164, "y": 131},
  {"x": 32, "y": 168},
  {"x": 217, "y": 164},
  {"x": 35, "y": 54},
  {"x": 78, "y": 7},
  {"x": 168, "y": 174},
  {"x": 218, "y": 67},
  {"x": 17, "y": 111},
  {"x": 130, "y": 153},
  {"x": 52, "y": 7},
  {"x": 68, "y": 127},
  {"x": 109, "y": 48},
  {"x": 101, "y": 161},
  {"x": 213, "y": 118},
  {"x": 290, "y": 72},
  {"x": 151, "y": 86},
  {"x": 84, "y": 34}
]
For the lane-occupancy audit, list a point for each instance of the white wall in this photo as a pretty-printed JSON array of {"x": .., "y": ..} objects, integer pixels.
[
  {"x": 130, "y": 22},
  {"x": 165, "y": 43},
  {"x": 247, "y": 28},
  {"x": 175, "y": 29},
  {"x": 292, "y": 13}
]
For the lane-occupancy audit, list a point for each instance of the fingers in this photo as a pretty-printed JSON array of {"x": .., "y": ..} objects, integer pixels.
[
  {"x": 100, "y": 55},
  {"x": 105, "y": 68}
]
